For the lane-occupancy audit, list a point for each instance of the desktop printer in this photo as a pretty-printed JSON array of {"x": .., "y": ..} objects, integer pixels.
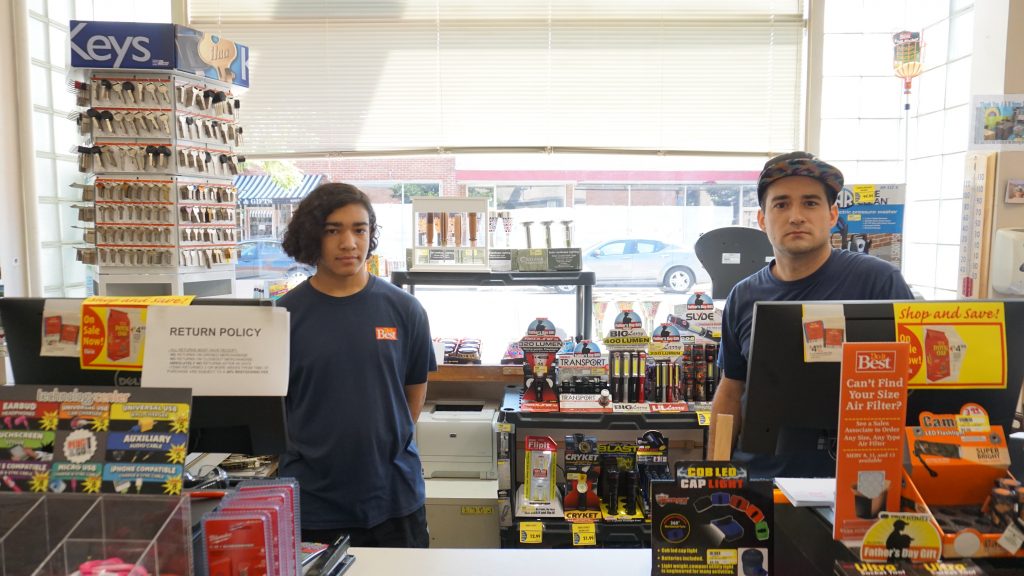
[{"x": 457, "y": 439}]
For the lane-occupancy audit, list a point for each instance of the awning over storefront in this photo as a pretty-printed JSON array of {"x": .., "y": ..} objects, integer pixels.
[{"x": 259, "y": 189}]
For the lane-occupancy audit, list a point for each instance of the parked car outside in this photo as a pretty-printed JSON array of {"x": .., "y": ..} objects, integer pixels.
[
  {"x": 642, "y": 262},
  {"x": 265, "y": 258}
]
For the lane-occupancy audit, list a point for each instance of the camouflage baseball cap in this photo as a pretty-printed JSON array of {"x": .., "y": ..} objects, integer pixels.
[{"x": 800, "y": 164}]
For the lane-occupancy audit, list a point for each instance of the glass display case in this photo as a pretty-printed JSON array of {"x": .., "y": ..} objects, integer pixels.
[{"x": 449, "y": 235}]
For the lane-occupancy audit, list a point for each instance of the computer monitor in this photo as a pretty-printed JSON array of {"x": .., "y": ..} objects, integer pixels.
[
  {"x": 252, "y": 425},
  {"x": 789, "y": 404}
]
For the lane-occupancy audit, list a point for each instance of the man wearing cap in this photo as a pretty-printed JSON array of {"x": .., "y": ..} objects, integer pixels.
[{"x": 797, "y": 194}]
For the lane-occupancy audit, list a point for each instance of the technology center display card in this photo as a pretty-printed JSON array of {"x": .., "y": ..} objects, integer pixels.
[
  {"x": 711, "y": 519},
  {"x": 95, "y": 439}
]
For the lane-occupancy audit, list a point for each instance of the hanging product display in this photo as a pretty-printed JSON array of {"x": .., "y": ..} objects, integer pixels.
[{"x": 160, "y": 137}]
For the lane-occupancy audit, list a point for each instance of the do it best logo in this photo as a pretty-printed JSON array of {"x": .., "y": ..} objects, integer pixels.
[{"x": 875, "y": 361}]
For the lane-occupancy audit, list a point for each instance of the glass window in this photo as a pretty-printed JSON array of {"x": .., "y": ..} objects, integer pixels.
[
  {"x": 52, "y": 269},
  {"x": 38, "y": 41},
  {"x": 63, "y": 99},
  {"x": 69, "y": 231},
  {"x": 40, "y": 79},
  {"x": 68, "y": 174},
  {"x": 840, "y": 96},
  {"x": 614, "y": 248},
  {"x": 74, "y": 271},
  {"x": 49, "y": 229},
  {"x": 59, "y": 10},
  {"x": 644, "y": 247},
  {"x": 601, "y": 194},
  {"x": 529, "y": 196},
  {"x": 41, "y": 132},
  {"x": 961, "y": 35},
  {"x": 405, "y": 192},
  {"x": 58, "y": 47},
  {"x": 247, "y": 251},
  {"x": 65, "y": 135},
  {"x": 45, "y": 185},
  {"x": 481, "y": 192}
]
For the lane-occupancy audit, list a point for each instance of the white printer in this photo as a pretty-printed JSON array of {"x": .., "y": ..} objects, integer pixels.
[{"x": 457, "y": 439}]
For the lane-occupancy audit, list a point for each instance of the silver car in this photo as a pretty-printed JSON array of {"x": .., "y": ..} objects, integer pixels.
[{"x": 639, "y": 262}]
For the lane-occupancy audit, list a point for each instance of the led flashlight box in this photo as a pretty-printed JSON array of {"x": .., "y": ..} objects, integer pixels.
[{"x": 708, "y": 517}]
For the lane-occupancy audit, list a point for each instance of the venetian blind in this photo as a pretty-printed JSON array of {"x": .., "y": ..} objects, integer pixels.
[{"x": 463, "y": 75}]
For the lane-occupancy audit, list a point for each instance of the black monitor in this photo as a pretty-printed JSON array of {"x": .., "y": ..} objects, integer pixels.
[
  {"x": 232, "y": 424},
  {"x": 790, "y": 404}
]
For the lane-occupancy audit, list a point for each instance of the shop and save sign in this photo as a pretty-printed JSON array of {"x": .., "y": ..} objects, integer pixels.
[{"x": 121, "y": 45}]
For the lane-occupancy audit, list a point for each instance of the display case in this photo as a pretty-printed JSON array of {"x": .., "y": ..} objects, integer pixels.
[
  {"x": 687, "y": 440},
  {"x": 448, "y": 235},
  {"x": 57, "y": 533},
  {"x": 583, "y": 281}
]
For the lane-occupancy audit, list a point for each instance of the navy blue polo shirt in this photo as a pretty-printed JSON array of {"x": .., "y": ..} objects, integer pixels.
[{"x": 351, "y": 435}]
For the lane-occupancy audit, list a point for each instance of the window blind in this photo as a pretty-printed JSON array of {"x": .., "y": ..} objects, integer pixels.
[{"x": 457, "y": 75}]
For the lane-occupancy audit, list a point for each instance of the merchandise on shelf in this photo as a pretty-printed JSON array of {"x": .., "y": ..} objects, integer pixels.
[
  {"x": 540, "y": 373},
  {"x": 449, "y": 235},
  {"x": 581, "y": 501},
  {"x": 161, "y": 147},
  {"x": 619, "y": 482}
]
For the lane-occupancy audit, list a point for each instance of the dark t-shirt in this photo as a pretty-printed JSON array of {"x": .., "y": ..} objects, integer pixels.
[
  {"x": 350, "y": 432},
  {"x": 844, "y": 276}
]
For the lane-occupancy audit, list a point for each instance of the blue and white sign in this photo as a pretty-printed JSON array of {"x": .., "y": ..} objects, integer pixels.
[
  {"x": 871, "y": 220},
  {"x": 121, "y": 45}
]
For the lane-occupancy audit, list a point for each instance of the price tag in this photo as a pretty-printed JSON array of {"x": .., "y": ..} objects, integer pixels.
[
  {"x": 531, "y": 532},
  {"x": 864, "y": 194},
  {"x": 721, "y": 557},
  {"x": 584, "y": 534},
  {"x": 504, "y": 427},
  {"x": 704, "y": 417},
  {"x": 968, "y": 423},
  {"x": 1012, "y": 539}
]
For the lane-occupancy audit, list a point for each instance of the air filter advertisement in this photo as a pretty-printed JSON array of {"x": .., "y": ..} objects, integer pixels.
[{"x": 711, "y": 519}]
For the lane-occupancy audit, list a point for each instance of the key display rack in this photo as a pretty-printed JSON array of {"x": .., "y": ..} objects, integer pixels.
[{"x": 161, "y": 214}]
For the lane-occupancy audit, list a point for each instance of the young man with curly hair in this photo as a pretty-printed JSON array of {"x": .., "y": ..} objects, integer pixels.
[{"x": 360, "y": 354}]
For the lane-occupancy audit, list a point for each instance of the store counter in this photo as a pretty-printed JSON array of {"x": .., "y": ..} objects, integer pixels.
[{"x": 503, "y": 562}]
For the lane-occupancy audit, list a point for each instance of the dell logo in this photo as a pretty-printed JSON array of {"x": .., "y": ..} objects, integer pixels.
[{"x": 103, "y": 48}]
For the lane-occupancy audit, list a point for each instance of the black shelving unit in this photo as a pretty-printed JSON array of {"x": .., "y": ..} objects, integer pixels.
[
  {"x": 557, "y": 531},
  {"x": 583, "y": 281}
]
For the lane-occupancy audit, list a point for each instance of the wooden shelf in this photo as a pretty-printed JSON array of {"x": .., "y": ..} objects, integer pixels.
[{"x": 505, "y": 373}]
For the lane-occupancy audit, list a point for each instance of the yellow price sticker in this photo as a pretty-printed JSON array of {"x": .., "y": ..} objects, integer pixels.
[
  {"x": 504, "y": 427},
  {"x": 479, "y": 510},
  {"x": 584, "y": 534},
  {"x": 864, "y": 194},
  {"x": 703, "y": 417},
  {"x": 972, "y": 423},
  {"x": 722, "y": 557},
  {"x": 531, "y": 532}
]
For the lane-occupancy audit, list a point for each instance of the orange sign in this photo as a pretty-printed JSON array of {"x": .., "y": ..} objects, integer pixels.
[{"x": 872, "y": 409}]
